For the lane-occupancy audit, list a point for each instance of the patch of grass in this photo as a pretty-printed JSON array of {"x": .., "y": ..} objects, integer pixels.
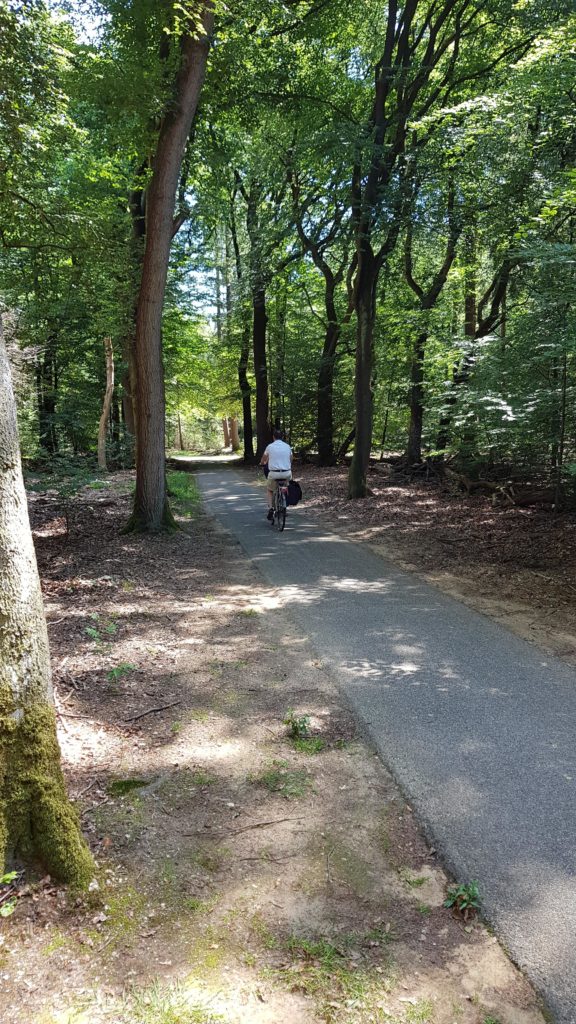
[
  {"x": 120, "y": 787},
  {"x": 200, "y": 906},
  {"x": 184, "y": 493},
  {"x": 119, "y": 671},
  {"x": 311, "y": 745},
  {"x": 413, "y": 881},
  {"x": 248, "y": 612},
  {"x": 201, "y": 778},
  {"x": 424, "y": 908},
  {"x": 279, "y": 778},
  {"x": 65, "y": 476},
  {"x": 342, "y": 986},
  {"x": 421, "y": 1013},
  {"x": 262, "y": 932},
  {"x": 58, "y": 941},
  {"x": 168, "y": 1005},
  {"x": 125, "y": 909},
  {"x": 491, "y": 1020},
  {"x": 210, "y": 860}
]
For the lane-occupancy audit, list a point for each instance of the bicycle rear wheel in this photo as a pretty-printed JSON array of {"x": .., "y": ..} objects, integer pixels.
[{"x": 280, "y": 510}]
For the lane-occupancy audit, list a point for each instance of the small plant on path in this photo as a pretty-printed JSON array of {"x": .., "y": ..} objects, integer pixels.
[
  {"x": 298, "y": 725},
  {"x": 464, "y": 898}
]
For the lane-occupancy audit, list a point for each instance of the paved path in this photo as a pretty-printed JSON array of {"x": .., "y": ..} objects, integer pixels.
[{"x": 478, "y": 727}]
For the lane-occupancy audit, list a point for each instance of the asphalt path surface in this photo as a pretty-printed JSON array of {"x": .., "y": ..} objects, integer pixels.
[{"x": 477, "y": 726}]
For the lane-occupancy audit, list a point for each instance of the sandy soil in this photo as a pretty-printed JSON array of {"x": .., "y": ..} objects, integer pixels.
[{"x": 242, "y": 876}]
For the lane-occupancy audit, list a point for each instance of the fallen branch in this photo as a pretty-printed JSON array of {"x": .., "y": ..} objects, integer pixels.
[
  {"x": 260, "y": 824},
  {"x": 152, "y": 711}
]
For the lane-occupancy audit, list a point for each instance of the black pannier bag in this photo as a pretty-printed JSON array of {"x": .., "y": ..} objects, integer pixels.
[{"x": 294, "y": 492}]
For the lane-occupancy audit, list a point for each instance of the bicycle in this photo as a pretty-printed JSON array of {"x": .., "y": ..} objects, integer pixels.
[{"x": 279, "y": 505}]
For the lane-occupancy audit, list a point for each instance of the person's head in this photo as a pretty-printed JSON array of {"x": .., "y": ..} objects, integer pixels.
[{"x": 278, "y": 435}]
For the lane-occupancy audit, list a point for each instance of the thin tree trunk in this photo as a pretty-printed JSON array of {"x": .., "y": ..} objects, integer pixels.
[
  {"x": 561, "y": 436},
  {"x": 366, "y": 313},
  {"x": 234, "y": 435},
  {"x": 325, "y": 397},
  {"x": 46, "y": 392},
  {"x": 414, "y": 446},
  {"x": 226, "y": 432},
  {"x": 180, "y": 436},
  {"x": 36, "y": 820},
  {"x": 103, "y": 426},
  {"x": 245, "y": 391},
  {"x": 151, "y": 509},
  {"x": 260, "y": 320}
]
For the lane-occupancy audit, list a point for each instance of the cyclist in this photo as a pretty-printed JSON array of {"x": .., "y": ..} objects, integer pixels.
[{"x": 278, "y": 458}]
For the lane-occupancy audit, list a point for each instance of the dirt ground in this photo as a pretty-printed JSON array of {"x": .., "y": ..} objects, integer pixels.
[
  {"x": 515, "y": 565},
  {"x": 243, "y": 875}
]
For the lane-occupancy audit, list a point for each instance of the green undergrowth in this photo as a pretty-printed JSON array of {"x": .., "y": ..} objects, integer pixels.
[
  {"x": 184, "y": 494},
  {"x": 157, "y": 1003},
  {"x": 66, "y": 477},
  {"x": 346, "y": 976},
  {"x": 278, "y": 777}
]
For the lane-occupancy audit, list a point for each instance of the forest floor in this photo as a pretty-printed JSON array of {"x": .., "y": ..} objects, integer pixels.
[
  {"x": 243, "y": 875},
  {"x": 515, "y": 565}
]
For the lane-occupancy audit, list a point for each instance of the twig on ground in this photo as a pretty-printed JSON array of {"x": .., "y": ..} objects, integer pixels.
[
  {"x": 68, "y": 714},
  {"x": 86, "y": 789},
  {"x": 152, "y": 711},
  {"x": 260, "y": 824}
]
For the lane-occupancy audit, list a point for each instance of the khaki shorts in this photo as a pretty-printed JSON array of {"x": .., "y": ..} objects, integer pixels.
[{"x": 271, "y": 485}]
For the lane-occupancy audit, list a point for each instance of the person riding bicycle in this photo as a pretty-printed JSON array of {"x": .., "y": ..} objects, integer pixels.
[{"x": 278, "y": 458}]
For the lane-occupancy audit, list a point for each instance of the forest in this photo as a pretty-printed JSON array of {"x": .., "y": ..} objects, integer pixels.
[{"x": 352, "y": 221}]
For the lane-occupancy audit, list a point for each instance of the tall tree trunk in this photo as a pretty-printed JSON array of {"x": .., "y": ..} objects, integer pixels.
[
  {"x": 226, "y": 432},
  {"x": 36, "y": 820},
  {"x": 180, "y": 435},
  {"x": 245, "y": 391},
  {"x": 414, "y": 446},
  {"x": 325, "y": 397},
  {"x": 46, "y": 392},
  {"x": 103, "y": 426},
  {"x": 366, "y": 314},
  {"x": 260, "y": 320},
  {"x": 234, "y": 435},
  {"x": 151, "y": 509}
]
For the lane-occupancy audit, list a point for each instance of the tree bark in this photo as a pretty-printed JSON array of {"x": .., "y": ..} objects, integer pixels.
[
  {"x": 151, "y": 509},
  {"x": 234, "y": 435},
  {"x": 325, "y": 397},
  {"x": 246, "y": 393},
  {"x": 366, "y": 313},
  {"x": 36, "y": 820},
  {"x": 103, "y": 426},
  {"x": 226, "y": 432},
  {"x": 260, "y": 321},
  {"x": 46, "y": 391},
  {"x": 414, "y": 446}
]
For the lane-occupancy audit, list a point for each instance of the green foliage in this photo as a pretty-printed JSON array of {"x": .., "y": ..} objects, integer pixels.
[
  {"x": 183, "y": 489},
  {"x": 7, "y": 906},
  {"x": 298, "y": 725},
  {"x": 465, "y": 898},
  {"x": 279, "y": 778},
  {"x": 119, "y": 671}
]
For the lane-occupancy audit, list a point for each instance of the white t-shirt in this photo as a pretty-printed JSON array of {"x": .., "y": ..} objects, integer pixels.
[{"x": 279, "y": 457}]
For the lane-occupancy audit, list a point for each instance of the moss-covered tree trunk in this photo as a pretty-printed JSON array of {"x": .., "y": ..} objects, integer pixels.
[{"x": 37, "y": 823}]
